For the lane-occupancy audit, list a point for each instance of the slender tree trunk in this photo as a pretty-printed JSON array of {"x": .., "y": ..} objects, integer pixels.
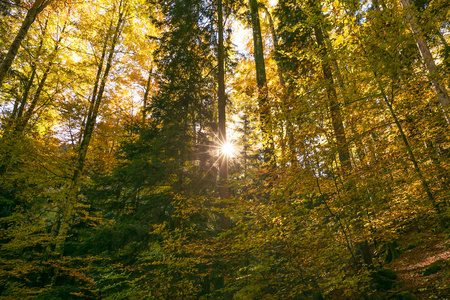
[
  {"x": 145, "y": 100},
  {"x": 333, "y": 103},
  {"x": 261, "y": 81},
  {"x": 258, "y": 50},
  {"x": 223, "y": 160},
  {"x": 8, "y": 140},
  {"x": 424, "y": 50},
  {"x": 19, "y": 105},
  {"x": 26, "y": 93},
  {"x": 225, "y": 222},
  {"x": 334, "y": 106},
  {"x": 24, "y": 120},
  {"x": 336, "y": 70},
  {"x": 345, "y": 95},
  {"x": 97, "y": 79},
  {"x": 289, "y": 140},
  {"x": 87, "y": 134},
  {"x": 276, "y": 47},
  {"x": 33, "y": 12},
  {"x": 409, "y": 151},
  {"x": 23, "y": 103},
  {"x": 338, "y": 128},
  {"x": 13, "y": 122}
]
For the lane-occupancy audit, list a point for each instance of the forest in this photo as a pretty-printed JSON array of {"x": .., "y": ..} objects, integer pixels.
[{"x": 225, "y": 149}]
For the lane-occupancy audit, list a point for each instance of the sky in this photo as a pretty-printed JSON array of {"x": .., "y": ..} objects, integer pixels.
[{"x": 241, "y": 36}]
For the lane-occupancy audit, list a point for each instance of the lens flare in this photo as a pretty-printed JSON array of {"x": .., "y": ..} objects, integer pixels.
[{"x": 228, "y": 149}]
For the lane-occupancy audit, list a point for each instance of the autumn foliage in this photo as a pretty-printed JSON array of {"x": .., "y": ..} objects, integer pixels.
[{"x": 113, "y": 179}]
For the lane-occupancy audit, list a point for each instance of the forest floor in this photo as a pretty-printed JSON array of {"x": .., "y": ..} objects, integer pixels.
[{"x": 423, "y": 268}]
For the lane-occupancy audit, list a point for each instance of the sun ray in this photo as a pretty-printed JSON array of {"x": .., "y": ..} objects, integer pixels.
[{"x": 228, "y": 149}]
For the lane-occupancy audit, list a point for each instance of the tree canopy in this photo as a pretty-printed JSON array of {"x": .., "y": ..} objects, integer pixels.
[{"x": 212, "y": 149}]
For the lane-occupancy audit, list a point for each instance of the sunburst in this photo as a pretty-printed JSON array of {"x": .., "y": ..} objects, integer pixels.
[{"x": 228, "y": 149}]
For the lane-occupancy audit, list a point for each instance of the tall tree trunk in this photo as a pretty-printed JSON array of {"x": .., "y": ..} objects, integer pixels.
[
  {"x": 72, "y": 191},
  {"x": 23, "y": 120},
  {"x": 288, "y": 143},
  {"x": 258, "y": 49},
  {"x": 334, "y": 106},
  {"x": 26, "y": 93},
  {"x": 261, "y": 81},
  {"x": 424, "y": 50},
  {"x": 14, "y": 121},
  {"x": 38, "y": 7},
  {"x": 20, "y": 104},
  {"x": 223, "y": 160},
  {"x": 345, "y": 95},
  {"x": 338, "y": 128},
  {"x": 276, "y": 47},
  {"x": 225, "y": 222}
]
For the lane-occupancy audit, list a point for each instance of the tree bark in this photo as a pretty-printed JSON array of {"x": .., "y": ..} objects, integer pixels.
[
  {"x": 338, "y": 127},
  {"x": 334, "y": 106},
  {"x": 33, "y": 12},
  {"x": 258, "y": 48},
  {"x": 289, "y": 141},
  {"x": 261, "y": 81},
  {"x": 223, "y": 159},
  {"x": 276, "y": 47},
  {"x": 72, "y": 191},
  {"x": 424, "y": 50}
]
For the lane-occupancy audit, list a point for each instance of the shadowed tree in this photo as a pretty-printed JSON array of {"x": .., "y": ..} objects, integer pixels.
[
  {"x": 221, "y": 101},
  {"x": 261, "y": 81}
]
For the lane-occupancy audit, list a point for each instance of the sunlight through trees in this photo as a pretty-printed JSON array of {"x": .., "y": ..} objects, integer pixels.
[{"x": 212, "y": 149}]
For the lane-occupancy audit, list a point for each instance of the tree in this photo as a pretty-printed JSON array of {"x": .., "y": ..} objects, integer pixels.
[
  {"x": 424, "y": 50},
  {"x": 221, "y": 101},
  {"x": 114, "y": 186},
  {"x": 108, "y": 50},
  {"x": 37, "y": 7},
  {"x": 261, "y": 80},
  {"x": 334, "y": 106}
]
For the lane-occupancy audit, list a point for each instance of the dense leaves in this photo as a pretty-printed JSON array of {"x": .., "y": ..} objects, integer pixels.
[{"x": 111, "y": 173}]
